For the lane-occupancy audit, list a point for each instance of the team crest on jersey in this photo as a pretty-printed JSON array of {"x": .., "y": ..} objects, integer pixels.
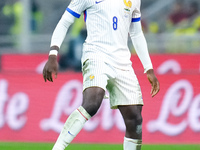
[{"x": 128, "y": 5}]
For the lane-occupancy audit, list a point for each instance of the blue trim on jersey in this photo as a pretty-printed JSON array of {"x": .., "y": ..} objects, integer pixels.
[
  {"x": 85, "y": 15},
  {"x": 136, "y": 19},
  {"x": 73, "y": 13}
]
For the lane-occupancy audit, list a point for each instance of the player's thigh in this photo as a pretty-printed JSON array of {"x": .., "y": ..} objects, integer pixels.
[
  {"x": 131, "y": 112},
  {"x": 94, "y": 84},
  {"x": 94, "y": 74}
]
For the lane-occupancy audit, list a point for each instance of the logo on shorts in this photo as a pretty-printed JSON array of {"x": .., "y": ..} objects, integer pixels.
[{"x": 91, "y": 77}]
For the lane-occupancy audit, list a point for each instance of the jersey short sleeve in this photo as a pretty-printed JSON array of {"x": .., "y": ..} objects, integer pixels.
[
  {"x": 136, "y": 13},
  {"x": 76, "y": 7}
]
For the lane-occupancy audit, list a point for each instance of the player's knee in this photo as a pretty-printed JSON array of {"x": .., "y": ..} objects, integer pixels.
[
  {"x": 138, "y": 128},
  {"x": 92, "y": 100},
  {"x": 134, "y": 121},
  {"x": 139, "y": 119},
  {"x": 92, "y": 106},
  {"x": 134, "y": 127}
]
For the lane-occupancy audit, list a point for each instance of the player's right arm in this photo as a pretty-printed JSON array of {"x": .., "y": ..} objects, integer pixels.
[
  {"x": 51, "y": 66},
  {"x": 73, "y": 11}
]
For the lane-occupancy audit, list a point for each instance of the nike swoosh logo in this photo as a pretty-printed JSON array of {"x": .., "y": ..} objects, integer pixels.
[
  {"x": 97, "y": 2},
  {"x": 70, "y": 133}
]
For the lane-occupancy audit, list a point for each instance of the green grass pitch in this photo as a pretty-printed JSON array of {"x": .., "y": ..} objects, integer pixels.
[{"x": 48, "y": 146}]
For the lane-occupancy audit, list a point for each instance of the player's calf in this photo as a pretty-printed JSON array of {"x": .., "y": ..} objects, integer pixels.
[{"x": 72, "y": 127}]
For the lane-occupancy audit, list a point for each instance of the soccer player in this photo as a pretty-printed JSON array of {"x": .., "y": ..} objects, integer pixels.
[{"x": 105, "y": 65}]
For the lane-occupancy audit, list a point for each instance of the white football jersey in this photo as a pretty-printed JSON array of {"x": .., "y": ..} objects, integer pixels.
[{"x": 107, "y": 23}]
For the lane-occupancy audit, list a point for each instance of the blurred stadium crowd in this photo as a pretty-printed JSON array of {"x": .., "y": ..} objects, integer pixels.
[
  {"x": 26, "y": 26},
  {"x": 182, "y": 18}
]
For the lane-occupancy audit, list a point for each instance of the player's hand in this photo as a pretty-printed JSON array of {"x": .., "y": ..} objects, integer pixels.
[
  {"x": 51, "y": 67},
  {"x": 155, "y": 86}
]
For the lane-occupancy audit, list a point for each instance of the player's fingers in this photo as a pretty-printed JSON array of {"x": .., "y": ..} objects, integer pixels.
[
  {"x": 155, "y": 88},
  {"x": 152, "y": 86},
  {"x": 56, "y": 73},
  {"x": 153, "y": 93},
  {"x": 44, "y": 75},
  {"x": 49, "y": 76},
  {"x": 158, "y": 87},
  {"x": 151, "y": 90},
  {"x": 45, "y": 79}
]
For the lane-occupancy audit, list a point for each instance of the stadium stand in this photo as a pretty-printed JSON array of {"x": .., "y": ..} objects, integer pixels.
[{"x": 159, "y": 30}]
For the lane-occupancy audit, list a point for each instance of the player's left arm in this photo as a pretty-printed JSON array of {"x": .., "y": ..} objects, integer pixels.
[
  {"x": 140, "y": 45},
  {"x": 51, "y": 66}
]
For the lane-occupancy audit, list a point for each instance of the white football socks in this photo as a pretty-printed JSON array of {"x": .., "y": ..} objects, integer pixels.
[
  {"x": 72, "y": 127},
  {"x": 132, "y": 144}
]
